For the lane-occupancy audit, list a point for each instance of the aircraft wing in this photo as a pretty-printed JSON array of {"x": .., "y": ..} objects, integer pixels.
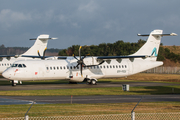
[
  {"x": 31, "y": 56},
  {"x": 7, "y": 56},
  {"x": 121, "y": 57}
]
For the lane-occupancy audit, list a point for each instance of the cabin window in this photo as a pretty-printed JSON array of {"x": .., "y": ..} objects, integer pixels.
[
  {"x": 97, "y": 67},
  {"x": 67, "y": 67},
  {"x": 8, "y": 64},
  {"x": 94, "y": 67},
  {"x": 64, "y": 67},
  {"x": 119, "y": 66},
  {"x": 104, "y": 66},
  {"x": 60, "y": 67},
  {"x": 47, "y": 68},
  {"x": 100, "y": 66},
  {"x": 2, "y": 64},
  {"x": 57, "y": 68},
  {"x": 122, "y": 66},
  {"x": 50, "y": 68},
  {"x": 54, "y": 68},
  {"x": 107, "y": 66},
  {"x": 116, "y": 66},
  {"x": 71, "y": 67},
  {"x": 113, "y": 66},
  {"x": 110, "y": 66}
]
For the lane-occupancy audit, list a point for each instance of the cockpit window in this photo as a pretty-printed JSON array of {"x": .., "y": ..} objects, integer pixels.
[
  {"x": 20, "y": 66},
  {"x": 14, "y": 65},
  {"x": 24, "y": 65}
]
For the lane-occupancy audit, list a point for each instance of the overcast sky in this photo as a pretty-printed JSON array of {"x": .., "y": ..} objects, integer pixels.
[{"x": 86, "y": 22}]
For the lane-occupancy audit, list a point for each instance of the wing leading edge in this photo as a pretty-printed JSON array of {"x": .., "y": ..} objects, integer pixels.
[{"x": 121, "y": 57}]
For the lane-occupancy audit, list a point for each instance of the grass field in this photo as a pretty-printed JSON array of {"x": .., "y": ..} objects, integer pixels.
[
  {"x": 96, "y": 91},
  {"x": 96, "y": 109},
  {"x": 39, "y": 110}
]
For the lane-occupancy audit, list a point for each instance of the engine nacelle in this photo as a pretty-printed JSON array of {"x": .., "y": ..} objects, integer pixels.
[
  {"x": 91, "y": 61},
  {"x": 76, "y": 78}
]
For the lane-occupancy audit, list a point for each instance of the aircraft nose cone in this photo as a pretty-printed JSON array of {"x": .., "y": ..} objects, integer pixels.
[{"x": 6, "y": 74}]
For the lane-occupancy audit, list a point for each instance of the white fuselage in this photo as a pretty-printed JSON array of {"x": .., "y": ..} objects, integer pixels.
[
  {"x": 66, "y": 69},
  {"x": 5, "y": 63}
]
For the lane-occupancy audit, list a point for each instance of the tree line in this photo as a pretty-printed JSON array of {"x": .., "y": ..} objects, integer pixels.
[
  {"x": 118, "y": 48},
  {"x": 20, "y": 50}
]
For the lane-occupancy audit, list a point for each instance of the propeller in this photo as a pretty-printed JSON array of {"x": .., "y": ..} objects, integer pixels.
[
  {"x": 81, "y": 62},
  {"x": 42, "y": 57}
]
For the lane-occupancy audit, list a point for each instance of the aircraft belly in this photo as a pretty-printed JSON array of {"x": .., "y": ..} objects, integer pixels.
[{"x": 93, "y": 73}]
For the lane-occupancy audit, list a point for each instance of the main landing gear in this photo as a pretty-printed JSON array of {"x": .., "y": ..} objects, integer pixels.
[{"x": 92, "y": 81}]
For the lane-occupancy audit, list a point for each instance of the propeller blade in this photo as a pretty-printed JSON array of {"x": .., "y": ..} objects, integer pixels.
[
  {"x": 39, "y": 54},
  {"x": 77, "y": 65},
  {"x": 75, "y": 57},
  {"x": 85, "y": 56},
  {"x": 80, "y": 52},
  {"x": 81, "y": 69},
  {"x": 44, "y": 53}
]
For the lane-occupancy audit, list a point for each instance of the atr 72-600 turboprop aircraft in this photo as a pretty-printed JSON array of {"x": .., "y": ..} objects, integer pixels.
[
  {"x": 40, "y": 45},
  {"x": 79, "y": 69}
]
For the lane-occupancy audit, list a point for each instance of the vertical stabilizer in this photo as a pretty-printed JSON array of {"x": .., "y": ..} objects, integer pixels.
[
  {"x": 40, "y": 45},
  {"x": 151, "y": 47}
]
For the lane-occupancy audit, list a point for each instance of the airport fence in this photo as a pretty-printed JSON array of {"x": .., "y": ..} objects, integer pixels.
[
  {"x": 164, "y": 70},
  {"x": 137, "y": 116}
]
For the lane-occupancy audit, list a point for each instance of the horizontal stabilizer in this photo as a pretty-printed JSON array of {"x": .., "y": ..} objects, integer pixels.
[
  {"x": 172, "y": 34},
  {"x": 43, "y": 38}
]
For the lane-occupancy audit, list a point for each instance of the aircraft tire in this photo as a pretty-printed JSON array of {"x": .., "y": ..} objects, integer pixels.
[
  {"x": 13, "y": 84},
  {"x": 93, "y": 82}
]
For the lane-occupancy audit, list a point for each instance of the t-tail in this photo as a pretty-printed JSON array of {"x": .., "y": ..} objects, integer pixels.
[
  {"x": 40, "y": 45},
  {"x": 151, "y": 47}
]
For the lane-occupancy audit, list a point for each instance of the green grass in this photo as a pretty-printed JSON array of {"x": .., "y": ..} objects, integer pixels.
[
  {"x": 96, "y": 91},
  {"x": 39, "y": 110}
]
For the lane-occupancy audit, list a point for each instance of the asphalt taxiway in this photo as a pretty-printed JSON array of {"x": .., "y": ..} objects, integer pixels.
[
  {"x": 81, "y": 85},
  {"x": 8, "y": 100}
]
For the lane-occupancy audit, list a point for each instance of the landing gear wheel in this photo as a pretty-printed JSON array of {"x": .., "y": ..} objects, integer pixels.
[
  {"x": 13, "y": 84},
  {"x": 93, "y": 82}
]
